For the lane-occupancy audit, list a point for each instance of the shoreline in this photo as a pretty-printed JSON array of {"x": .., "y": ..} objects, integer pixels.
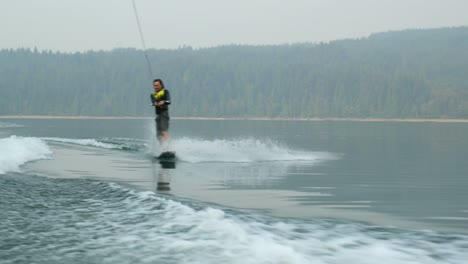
[{"x": 434, "y": 120}]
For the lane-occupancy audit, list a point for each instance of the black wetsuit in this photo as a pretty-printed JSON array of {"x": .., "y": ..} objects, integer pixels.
[
  {"x": 161, "y": 95},
  {"x": 162, "y": 112}
]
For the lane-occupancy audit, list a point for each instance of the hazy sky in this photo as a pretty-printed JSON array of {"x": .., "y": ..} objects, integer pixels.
[{"x": 78, "y": 25}]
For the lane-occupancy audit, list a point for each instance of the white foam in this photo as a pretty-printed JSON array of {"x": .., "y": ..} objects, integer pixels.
[
  {"x": 16, "y": 151},
  {"x": 241, "y": 150},
  {"x": 122, "y": 225},
  {"x": 211, "y": 235},
  {"x": 9, "y": 125},
  {"x": 83, "y": 142}
]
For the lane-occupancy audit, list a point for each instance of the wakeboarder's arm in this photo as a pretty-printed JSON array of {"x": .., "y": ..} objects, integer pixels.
[{"x": 168, "y": 98}]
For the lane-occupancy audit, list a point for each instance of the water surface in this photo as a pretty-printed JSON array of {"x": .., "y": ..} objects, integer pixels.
[{"x": 86, "y": 191}]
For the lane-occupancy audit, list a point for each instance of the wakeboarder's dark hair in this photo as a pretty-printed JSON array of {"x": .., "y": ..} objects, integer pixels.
[{"x": 160, "y": 81}]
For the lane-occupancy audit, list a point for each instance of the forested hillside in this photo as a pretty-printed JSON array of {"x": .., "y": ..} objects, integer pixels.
[{"x": 407, "y": 74}]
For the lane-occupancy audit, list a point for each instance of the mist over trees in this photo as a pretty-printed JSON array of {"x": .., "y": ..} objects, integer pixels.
[{"x": 405, "y": 74}]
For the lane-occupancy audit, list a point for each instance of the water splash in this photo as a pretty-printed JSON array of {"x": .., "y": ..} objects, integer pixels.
[
  {"x": 16, "y": 151},
  {"x": 106, "y": 143},
  {"x": 240, "y": 150}
]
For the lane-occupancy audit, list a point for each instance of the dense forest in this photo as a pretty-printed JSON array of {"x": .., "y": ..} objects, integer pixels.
[{"x": 404, "y": 74}]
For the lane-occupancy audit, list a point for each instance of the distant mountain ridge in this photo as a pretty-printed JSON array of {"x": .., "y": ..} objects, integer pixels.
[{"x": 400, "y": 74}]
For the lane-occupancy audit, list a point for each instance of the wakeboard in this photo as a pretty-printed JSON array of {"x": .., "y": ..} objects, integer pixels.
[{"x": 167, "y": 156}]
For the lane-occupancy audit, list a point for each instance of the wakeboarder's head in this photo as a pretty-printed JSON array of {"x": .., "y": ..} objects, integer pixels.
[{"x": 158, "y": 84}]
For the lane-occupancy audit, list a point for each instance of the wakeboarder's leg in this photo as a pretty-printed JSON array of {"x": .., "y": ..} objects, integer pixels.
[{"x": 164, "y": 140}]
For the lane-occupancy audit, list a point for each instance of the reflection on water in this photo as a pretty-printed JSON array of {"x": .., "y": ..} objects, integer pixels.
[{"x": 162, "y": 172}]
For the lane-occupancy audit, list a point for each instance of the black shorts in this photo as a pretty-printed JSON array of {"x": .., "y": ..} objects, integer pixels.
[{"x": 162, "y": 122}]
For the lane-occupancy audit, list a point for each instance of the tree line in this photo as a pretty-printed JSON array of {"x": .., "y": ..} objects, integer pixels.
[{"x": 401, "y": 74}]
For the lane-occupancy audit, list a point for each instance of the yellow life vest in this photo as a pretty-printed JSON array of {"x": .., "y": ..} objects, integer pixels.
[{"x": 159, "y": 94}]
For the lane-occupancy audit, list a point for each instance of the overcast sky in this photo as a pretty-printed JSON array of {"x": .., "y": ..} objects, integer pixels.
[{"x": 79, "y": 25}]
